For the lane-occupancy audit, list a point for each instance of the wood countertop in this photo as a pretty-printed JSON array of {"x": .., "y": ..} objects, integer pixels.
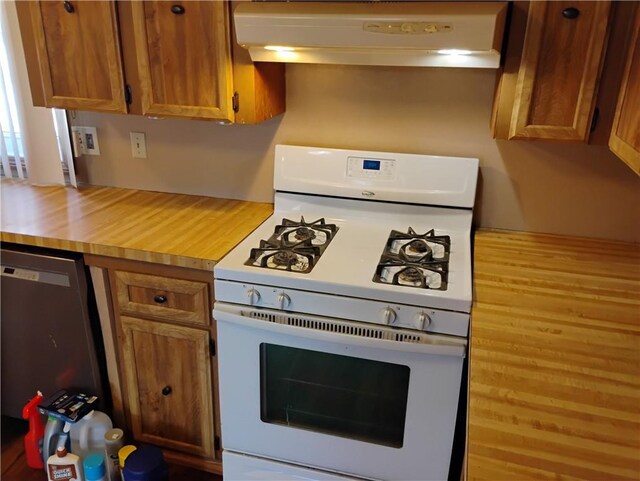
[
  {"x": 555, "y": 329},
  {"x": 554, "y": 359},
  {"x": 175, "y": 229}
]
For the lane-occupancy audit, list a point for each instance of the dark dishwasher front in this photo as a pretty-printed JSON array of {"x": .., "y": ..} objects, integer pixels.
[{"x": 49, "y": 327}]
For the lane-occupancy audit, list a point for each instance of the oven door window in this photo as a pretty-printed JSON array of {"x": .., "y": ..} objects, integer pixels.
[{"x": 334, "y": 394}]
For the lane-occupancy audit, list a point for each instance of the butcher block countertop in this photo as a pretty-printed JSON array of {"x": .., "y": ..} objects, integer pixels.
[
  {"x": 555, "y": 332},
  {"x": 554, "y": 359},
  {"x": 175, "y": 229}
]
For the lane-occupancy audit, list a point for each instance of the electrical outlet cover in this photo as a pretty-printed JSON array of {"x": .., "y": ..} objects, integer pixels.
[
  {"x": 91, "y": 144},
  {"x": 85, "y": 141}
]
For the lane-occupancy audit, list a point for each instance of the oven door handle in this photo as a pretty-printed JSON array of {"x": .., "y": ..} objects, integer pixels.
[{"x": 437, "y": 345}]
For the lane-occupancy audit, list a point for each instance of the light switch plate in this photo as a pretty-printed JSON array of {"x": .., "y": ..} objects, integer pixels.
[{"x": 138, "y": 145}]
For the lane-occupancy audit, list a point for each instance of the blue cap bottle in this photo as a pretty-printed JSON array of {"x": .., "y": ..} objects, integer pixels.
[{"x": 94, "y": 469}]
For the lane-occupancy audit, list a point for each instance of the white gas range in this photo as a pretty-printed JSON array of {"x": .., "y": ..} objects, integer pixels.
[{"x": 342, "y": 320}]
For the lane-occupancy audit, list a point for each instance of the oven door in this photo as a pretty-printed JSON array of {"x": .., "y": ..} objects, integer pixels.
[{"x": 347, "y": 397}]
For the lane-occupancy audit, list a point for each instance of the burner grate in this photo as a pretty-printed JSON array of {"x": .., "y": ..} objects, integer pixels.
[
  {"x": 294, "y": 246},
  {"x": 415, "y": 260}
]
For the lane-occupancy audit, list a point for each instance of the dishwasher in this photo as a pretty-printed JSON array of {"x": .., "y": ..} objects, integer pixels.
[{"x": 50, "y": 334}]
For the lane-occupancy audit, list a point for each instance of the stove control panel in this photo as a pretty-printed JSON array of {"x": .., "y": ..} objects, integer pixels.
[
  {"x": 371, "y": 168},
  {"x": 256, "y": 296}
]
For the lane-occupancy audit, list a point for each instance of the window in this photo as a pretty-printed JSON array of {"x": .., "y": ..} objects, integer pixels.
[
  {"x": 30, "y": 137},
  {"x": 11, "y": 148}
]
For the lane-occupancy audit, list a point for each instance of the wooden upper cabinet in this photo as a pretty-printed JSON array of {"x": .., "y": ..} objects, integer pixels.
[
  {"x": 549, "y": 84},
  {"x": 625, "y": 133},
  {"x": 78, "y": 52},
  {"x": 177, "y": 59},
  {"x": 184, "y": 58}
]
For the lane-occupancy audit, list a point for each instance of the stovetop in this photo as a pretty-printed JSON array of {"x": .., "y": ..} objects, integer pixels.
[
  {"x": 408, "y": 259},
  {"x": 406, "y": 254}
]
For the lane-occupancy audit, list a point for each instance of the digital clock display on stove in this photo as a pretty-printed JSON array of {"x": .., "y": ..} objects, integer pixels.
[
  {"x": 371, "y": 164},
  {"x": 371, "y": 168}
]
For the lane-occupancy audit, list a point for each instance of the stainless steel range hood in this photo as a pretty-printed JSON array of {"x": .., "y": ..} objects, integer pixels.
[{"x": 420, "y": 34}]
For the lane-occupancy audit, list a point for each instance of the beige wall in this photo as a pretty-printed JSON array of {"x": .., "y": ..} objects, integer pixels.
[{"x": 536, "y": 186}]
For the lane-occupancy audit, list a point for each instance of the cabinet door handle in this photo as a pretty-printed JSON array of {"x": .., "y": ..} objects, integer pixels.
[
  {"x": 571, "y": 13},
  {"x": 166, "y": 390},
  {"x": 594, "y": 119},
  {"x": 160, "y": 299},
  {"x": 177, "y": 9},
  {"x": 68, "y": 6}
]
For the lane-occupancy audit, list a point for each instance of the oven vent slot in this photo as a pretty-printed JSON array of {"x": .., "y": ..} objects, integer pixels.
[{"x": 342, "y": 327}]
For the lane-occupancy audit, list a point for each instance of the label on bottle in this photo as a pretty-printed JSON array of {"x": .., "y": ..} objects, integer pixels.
[{"x": 62, "y": 472}]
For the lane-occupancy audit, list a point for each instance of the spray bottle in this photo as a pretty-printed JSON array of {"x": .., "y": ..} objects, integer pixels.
[{"x": 33, "y": 439}]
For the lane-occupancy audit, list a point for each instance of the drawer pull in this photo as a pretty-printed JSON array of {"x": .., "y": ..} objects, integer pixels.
[
  {"x": 571, "y": 13},
  {"x": 68, "y": 6},
  {"x": 160, "y": 299},
  {"x": 166, "y": 390},
  {"x": 177, "y": 9}
]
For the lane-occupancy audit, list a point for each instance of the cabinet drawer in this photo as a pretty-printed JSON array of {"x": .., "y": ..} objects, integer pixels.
[{"x": 162, "y": 297}]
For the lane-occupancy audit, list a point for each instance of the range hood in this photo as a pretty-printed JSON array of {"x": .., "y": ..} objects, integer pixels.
[{"x": 419, "y": 34}]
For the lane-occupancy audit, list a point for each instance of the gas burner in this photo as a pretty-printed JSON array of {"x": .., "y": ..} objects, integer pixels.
[
  {"x": 303, "y": 233},
  {"x": 410, "y": 275},
  {"x": 416, "y": 248},
  {"x": 274, "y": 254},
  {"x": 294, "y": 246},
  {"x": 284, "y": 258},
  {"x": 415, "y": 260},
  {"x": 316, "y": 233}
]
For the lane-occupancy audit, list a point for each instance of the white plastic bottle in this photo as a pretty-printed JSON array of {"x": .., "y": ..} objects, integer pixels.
[
  {"x": 64, "y": 466},
  {"x": 87, "y": 435},
  {"x": 52, "y": 433},
  {"x": 114, "y": 439}
]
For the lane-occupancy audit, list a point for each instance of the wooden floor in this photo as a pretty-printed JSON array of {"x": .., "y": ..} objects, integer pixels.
[{"x": 14, "y": 465}]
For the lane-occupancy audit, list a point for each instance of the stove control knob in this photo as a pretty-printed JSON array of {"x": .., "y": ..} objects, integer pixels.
[
  {"x": 254, "y": 296},
  {"x": 424, "y": 320},
  {"x": 390, "y": 315},
  {"x": 284, "y": 300}
]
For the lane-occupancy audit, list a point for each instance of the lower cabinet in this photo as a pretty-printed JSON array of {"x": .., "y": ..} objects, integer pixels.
[
  {"x": 167, "y": 374},
  {"x": 164, "y": 369}
]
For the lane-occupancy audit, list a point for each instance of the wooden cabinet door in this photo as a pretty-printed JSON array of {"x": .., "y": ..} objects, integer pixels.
[
  {"x": 79, "y": 55},
  {"x": 183, "y": 57},
  {"x": 625, "y": 133},
  {"x": 167, "y": 374},
  {"x": 560, "y": 66}
]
